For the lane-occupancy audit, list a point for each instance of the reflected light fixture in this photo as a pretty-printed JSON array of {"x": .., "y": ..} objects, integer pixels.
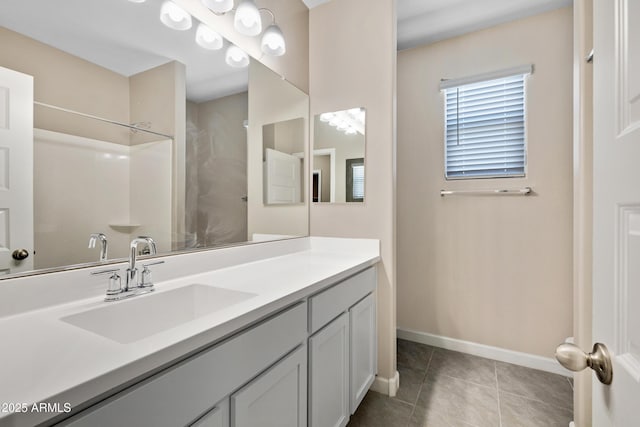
[
  {"x": 236, "y": 57},
  {"x": 273, "y": 41},
  {"x": 247, "y": 19},
  {"x": 175, "y": 17},
  {"x": 137, "y": 1},
  {"x": 207, "y": 38},
  {"x": 219, "y": 7}
]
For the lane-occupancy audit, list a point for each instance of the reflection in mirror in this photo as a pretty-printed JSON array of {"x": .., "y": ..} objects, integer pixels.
[
  {"x": 339, "y": 156},
  {"x": 283, "y": 162},
  {"x": 139, "y": 131}
]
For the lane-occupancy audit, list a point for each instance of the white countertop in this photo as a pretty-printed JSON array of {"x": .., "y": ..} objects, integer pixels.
[{"x": 44, "y": 359}]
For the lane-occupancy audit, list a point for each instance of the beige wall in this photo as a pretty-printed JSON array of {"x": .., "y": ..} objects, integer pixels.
[
  {"x": 293, "y": 19},
  {"x": 352, "y": 64},
  {"x": 490, "y": 270},
  {"x": 68, "y": 81},
  {"x": 273, "y": 100}
]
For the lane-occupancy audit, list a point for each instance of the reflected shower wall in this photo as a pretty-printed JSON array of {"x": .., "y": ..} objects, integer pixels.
[{"x": 216, "y": 171}]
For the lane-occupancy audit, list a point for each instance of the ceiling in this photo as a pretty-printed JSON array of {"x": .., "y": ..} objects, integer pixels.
[
  {"x": 128, "y": 37},
  {"x": 427, "y": 21}
]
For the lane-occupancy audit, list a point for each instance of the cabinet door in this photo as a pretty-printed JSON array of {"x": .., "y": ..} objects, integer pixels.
[
  {"x": 329, "y": 375},
  {"x": 216, "y": 417},
  {"x": 362, "y": 320},
  {"x": 277, "y": 398}
]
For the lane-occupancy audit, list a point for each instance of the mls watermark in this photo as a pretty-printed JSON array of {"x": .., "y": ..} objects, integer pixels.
[{"x": 43, "y": 407}]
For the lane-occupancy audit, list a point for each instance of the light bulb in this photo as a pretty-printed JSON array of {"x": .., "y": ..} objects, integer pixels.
[
  {"x": 218, "y": 6},
  {"x": 343, "y": 125},
  {"x": 207, "y": 38},
  {"x": 334, "y": 121},
  {"x": 247, "y": 19},
  {"x": 173, "y": 16},
  {"x": 350, "y": 131},
  {"x": 273, "y": 41},
  {"x": 236, "y": 57},
  {"x": 326, "y": 117}
]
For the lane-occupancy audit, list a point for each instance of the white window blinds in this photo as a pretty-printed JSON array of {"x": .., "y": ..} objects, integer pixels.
[
  {"x": 485, "y": 128},
  {"x": 358, "y": 181}
]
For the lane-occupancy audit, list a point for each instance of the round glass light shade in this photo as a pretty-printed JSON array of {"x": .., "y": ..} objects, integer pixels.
[
  {"x": 218, "y": 6},
  {"x": 247, "y": 19},
  {"x": 175, "y": 17},
  {"x": 273, "y": 41},
  {"x": 207, "y": 38},
  {"x": 236, "y": 57}
]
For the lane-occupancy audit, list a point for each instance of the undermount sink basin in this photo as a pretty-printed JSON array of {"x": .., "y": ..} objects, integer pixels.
[{"x": 142, "y": 316}]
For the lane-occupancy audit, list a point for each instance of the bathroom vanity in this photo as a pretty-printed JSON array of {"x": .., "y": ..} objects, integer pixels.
[{"x": 276, "y": 334}]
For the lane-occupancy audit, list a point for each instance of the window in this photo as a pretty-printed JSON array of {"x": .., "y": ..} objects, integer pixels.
[
  {"x": 355, "y": 180},
  {"x": 485, "y": 125}
]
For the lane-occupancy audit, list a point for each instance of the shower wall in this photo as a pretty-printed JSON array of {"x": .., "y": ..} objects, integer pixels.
[{"x": 217, "y": 171}]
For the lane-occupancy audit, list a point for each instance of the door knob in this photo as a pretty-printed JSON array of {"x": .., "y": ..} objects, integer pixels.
[
  {"x": 573, "y": 358},
  {"x": 20, "y": 254}
]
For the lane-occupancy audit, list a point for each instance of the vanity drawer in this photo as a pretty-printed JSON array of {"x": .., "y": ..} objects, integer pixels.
[
  {"x": 184, "y": 392},
  {"x": 328, "y": 304}
]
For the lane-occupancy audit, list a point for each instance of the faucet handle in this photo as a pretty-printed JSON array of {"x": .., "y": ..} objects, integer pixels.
[
  {"x": 115, "y": 282},
  {"x": 146, "y": 281}
]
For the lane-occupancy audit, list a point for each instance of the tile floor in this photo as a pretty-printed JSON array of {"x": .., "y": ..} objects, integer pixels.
[{"x": 442, "y": 388}]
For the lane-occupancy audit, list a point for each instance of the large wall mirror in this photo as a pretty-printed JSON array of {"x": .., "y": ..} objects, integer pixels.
[
  {"x": 137, "y": 130},
  {"x": 338, "y": 171}
]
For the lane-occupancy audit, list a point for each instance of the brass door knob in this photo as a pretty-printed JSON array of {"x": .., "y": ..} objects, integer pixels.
[
  {"x": 573, "y": 358},
  {"x": 20, "y": 254}
]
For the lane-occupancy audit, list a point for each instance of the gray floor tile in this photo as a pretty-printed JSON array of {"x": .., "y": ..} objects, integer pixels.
[
  {"x": 410, "y": 383},
  {"x": 457, "y": 402},
  {"x": 378, "y": 410},
  {"x": 413, "y": 355},
  {"x": 533, "y": 384},
  {"x": 421, "y": 418},
  {"x": 518, "y": 411},
  {"x": 463, "y": 366}
]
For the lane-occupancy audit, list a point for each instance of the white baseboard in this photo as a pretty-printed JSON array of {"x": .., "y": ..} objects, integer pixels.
[
  {"x": 388, "y": 386},
  {"x": 517, "y": 358}
]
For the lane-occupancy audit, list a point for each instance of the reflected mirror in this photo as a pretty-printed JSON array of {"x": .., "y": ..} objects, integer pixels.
[
  {"x": 137, "y": 129},
  {"x": 283, "y": 162},
  {"x": 338, "y": 171}
]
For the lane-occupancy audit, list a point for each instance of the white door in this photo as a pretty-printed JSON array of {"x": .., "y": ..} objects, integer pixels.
[
  {"x": 16, "y": 171},
  {"x": 282, "y": 177},
  {"x": 616, "y": 215}
]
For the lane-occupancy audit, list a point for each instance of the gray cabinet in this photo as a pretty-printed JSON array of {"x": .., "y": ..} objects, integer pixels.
[
  {"x": 363, "y": 346},
  {"x": 342, "y": 351},
  {"x": 277, "y": 398},
  {"x": 329, "y": 375},
  {"x": 218, "y": 416}
]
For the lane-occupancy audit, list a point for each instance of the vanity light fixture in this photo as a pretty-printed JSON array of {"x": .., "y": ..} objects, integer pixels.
[
  {"x": 219, "y": 7},
  {"x": 207, "y": 38},
  {"x": 326, "y": 117},
  {"x": 247, "y": 19},
  {"x": 175, "y": 17},
  {"x": 236, "y": 57}
]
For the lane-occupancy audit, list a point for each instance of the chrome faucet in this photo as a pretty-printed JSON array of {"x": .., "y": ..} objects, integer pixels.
[
  {"x": 132, "y": 271},
  {"x": 93, "y": 238},
  {"x": 133, "y": 286}
]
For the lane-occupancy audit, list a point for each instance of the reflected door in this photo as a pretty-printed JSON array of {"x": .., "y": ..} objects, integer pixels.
[
  {"x": 282, "y": 177},
  {"x": 16, "y": 172},
  {"x": 616, "y": 203}
]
